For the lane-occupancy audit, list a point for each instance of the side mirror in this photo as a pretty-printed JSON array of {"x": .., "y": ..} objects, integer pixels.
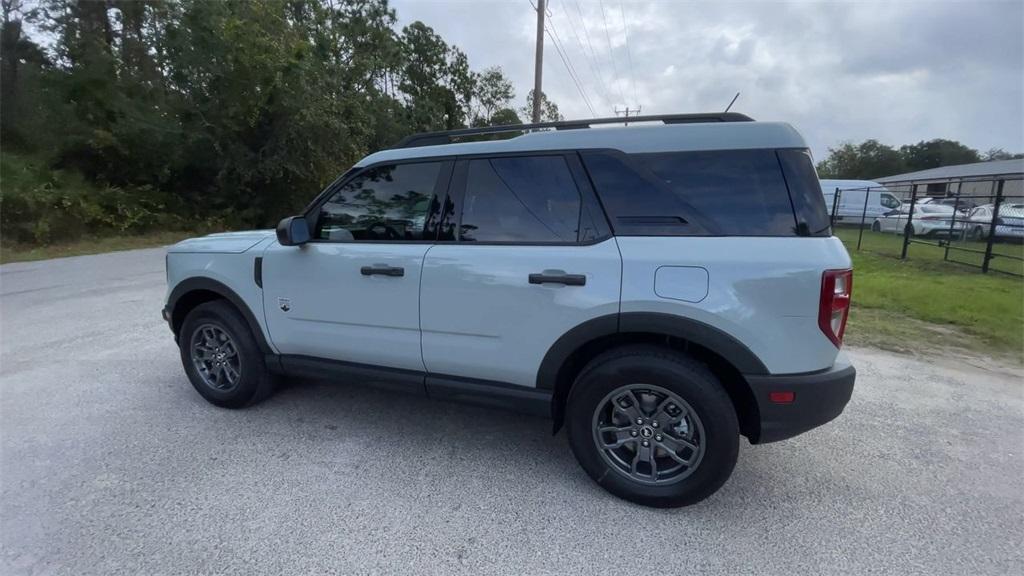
[{"x": 293, "y": 231}]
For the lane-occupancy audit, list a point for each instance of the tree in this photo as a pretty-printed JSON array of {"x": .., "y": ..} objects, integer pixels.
[
  {"x": 548, "y": 109},
  {"x": 999, "y": 154},
  {"x": 437, "y": 82},
  {"x": 493, "y": 92},
  {"x": 18, "y": 54},
  {"x": 504, "y": 117},
  {"x": 869, "y": 159},
  {"x": 936, "y": 153}
]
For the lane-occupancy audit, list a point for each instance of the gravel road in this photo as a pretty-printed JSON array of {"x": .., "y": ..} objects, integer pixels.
[{"x": 112, "y": 464}]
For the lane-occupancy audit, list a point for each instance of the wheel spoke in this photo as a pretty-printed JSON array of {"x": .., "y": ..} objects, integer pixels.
[
  {"x": 622, "y": 435},
  {"x": 643, "y": 454},
  {"x": 628, "y": 404},
  {"x": 230, "y": 372},
  {"x": 674, "y": 445},
  {"x": 663, "y": 415}
]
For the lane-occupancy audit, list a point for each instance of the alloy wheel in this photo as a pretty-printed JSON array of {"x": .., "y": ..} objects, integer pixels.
[
  {"x": 649, "y": 434},
  {"x": 215, "y": 357}
]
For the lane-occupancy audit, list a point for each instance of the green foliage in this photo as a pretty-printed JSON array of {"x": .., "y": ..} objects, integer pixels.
[
  {"x": 548, "y": 109},
  {"x": 494, "y": 93},
  {"x": 236, "y": 111},
  {"x": 999, "y": 154},
  {"x": 871, "y": 159},
  {"x": 41, "y": 206},
  {"x": 936, "y": 153}
]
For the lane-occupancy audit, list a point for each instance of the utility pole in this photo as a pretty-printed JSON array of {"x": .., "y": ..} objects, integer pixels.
[
  {"x": 627, "y": 111},
  {"x": 538, "y": 66}
]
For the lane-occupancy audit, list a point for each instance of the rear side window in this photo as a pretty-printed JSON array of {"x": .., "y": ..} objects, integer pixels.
[
  {"x": 805, "y": 191},
  {"x": 717, "y": 193},
  {"x": 520, "y": 199}
]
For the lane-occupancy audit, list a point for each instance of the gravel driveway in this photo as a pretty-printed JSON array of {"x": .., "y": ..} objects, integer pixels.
[{"x": 112, "y": 464}]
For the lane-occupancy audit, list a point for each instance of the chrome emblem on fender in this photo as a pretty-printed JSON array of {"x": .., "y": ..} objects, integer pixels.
[{"x": 285, "y": 304}]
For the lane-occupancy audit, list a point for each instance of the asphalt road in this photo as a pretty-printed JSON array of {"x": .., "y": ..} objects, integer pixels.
[{"x": 112, "y": 464}]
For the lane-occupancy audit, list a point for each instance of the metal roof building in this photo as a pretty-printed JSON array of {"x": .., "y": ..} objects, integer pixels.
[{"x": 979, "y": 178}]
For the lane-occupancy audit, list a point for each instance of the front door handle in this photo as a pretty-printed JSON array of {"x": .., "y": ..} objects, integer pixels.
[
  {"x": 382, "y": 270},
  {"x": 558, "y": 278}
]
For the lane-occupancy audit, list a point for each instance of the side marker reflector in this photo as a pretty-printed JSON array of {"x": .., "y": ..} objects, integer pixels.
[{"x": 782, "y": 397}]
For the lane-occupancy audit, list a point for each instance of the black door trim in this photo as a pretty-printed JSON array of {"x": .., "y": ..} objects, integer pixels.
[{"x": 438, "y": 386}]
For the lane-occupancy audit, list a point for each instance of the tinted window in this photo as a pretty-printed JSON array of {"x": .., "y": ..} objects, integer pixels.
[
  {"x": 808, "y": 204},
  {"x": 524, "y": 199},
  {"x": 383, "y": 203},
  {"x": 735, "y": 192}
]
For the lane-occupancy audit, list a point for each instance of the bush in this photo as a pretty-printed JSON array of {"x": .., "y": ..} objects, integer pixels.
[{"x": 42, "y": 206}]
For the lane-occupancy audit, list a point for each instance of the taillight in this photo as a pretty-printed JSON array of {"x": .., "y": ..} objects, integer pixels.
[{"x": 834, "y": 306}]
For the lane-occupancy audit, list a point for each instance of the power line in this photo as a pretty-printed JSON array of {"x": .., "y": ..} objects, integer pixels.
[
  {"x": 611, "y": 55},
  {"x": 559, "y": 45},
  {"x": 629, "y": 53},
  {"x": 591, "y": 61},
  {"x": 569, "y": 68},
  {"x": 593, "y": 53}
]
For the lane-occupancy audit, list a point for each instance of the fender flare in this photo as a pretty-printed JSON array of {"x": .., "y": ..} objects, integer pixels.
[
  {"x": 210, "y": 285},
  {"x": 695, "y": 331}
]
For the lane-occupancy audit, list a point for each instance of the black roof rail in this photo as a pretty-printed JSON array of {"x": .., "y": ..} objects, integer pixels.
[{"x": 450, "y": 136}]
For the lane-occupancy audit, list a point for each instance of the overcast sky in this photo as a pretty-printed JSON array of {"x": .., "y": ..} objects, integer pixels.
[{"x": 897, "y": 71}]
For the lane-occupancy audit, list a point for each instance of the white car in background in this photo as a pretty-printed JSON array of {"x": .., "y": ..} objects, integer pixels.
[
  {"x": 1010, "y": 223},
  {"x": 929, "y": 220}
]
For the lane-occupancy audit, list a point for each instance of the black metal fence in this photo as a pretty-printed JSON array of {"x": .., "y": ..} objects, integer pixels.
[{"x": 972, "y": 221}]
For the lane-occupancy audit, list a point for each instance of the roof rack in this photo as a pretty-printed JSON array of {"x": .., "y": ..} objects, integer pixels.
[{"x": 450, "y": 136}]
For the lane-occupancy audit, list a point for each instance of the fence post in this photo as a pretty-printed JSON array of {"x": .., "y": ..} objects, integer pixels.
[
  {"x": 835, "y": 204},
  {"x": 992, "y": 226},
  {"x": 863, "y": 215},
  {"x": 952, "y": 223},
  {"x": 908, "y": 230}
]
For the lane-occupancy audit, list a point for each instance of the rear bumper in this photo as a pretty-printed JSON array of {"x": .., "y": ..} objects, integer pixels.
[{"x": 818, "y": 397}]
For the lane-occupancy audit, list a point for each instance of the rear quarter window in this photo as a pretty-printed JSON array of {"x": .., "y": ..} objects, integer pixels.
[{"x": 717, "y": 193}]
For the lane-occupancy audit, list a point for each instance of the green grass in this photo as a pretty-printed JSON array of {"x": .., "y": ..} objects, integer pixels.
[
  {"x": 892, "y": 244},
  {"x": 10, "y": 252},
  {"x": 925, "y": 303}
]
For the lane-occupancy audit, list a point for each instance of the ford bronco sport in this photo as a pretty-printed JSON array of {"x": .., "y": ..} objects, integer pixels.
[{"x": 660, "y": 289}]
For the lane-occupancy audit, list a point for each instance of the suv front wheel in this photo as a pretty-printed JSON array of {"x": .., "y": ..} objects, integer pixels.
[
  {"x": 653, "y": 426},
  {"x": 221, "y": 357}
]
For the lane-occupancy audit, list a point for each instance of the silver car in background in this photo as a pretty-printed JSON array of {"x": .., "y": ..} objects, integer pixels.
[
  {"x": 1009, "y": 224},
  {"x": 929, "y": 220}
]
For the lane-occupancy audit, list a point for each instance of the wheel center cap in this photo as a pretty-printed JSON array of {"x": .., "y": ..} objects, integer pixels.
[{"x": 647, "y": 432}]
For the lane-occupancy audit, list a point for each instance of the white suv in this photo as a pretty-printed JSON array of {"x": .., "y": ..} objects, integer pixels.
[{"x": 661, "y": 289}]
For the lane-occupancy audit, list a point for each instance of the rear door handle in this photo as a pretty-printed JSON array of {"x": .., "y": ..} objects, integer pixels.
[
  {"x": 567, "y": 279},
  {"x": 382, "y": 270}
]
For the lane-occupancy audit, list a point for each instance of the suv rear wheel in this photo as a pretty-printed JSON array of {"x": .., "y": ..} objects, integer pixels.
[
  {"x": 653, "y": 426},
  {"x": 221, "y": 357}
]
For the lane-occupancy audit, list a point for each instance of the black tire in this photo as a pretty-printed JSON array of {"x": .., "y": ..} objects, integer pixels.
[
  {"x": 876, "y": 226},
  {"x": 679, "y": 374},
  {"x": 977, "y": 233},
  {"x": 254, "y": 382}
]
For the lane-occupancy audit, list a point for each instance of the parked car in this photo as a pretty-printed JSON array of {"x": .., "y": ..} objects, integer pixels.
[
  {"x": 963, "y": 205},
  {"x": 1010, "y": 223},
  {"x": 929, "y": 219},
  {"x": 851, "y": 206},
  {"x": 659, "y": 290}
]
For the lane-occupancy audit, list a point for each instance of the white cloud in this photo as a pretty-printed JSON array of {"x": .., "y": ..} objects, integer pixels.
[{"x": 896, "y": 71}]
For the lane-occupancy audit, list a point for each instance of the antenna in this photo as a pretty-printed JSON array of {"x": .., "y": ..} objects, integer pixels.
[{"x": 733, "y": 101}]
